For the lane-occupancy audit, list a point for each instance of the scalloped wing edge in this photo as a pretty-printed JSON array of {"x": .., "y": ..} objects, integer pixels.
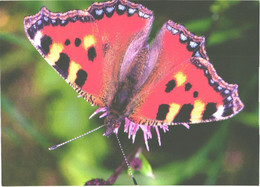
[
  {"x": 228, "y": 91},
  {"x": 142, "y": 11},
  {"x": 45, "y": 17},
  {"x": 196, "y": 43}
]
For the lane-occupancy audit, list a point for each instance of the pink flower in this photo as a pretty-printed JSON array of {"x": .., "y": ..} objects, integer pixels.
[
  {"x": 136, "y": 164},
  {"x": 96, "y": 182},
  {"x": 131, "y": 128}
]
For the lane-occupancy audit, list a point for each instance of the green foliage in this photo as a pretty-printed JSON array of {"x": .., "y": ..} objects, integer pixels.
[
  {"x": 250, "y": 119},
  {"x": 23, "y": 122},
  {"x": 221, "y": 5},
  {"x": 146, "y": 167}
]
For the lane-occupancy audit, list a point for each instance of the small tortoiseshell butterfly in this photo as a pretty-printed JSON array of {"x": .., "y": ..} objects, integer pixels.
[{"x": 102, "y": 52}]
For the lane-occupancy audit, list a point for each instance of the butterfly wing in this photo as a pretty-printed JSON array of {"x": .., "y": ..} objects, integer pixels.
[
  {"x": 183, "y": 86},
  {"x": 124, "y": 28},
  {"x": 71, "y": 44},
  {"x": 87, "y": 48}
]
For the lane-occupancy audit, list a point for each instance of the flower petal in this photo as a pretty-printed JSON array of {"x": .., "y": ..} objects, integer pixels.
[
  {"x": 103, "y": 115},
  {"x": 127, "y": 123},
  {"x": 102, "y": 109},
  {"x": 158, "y": 134},
  {"x": 186, "y": 125},
  {"x": 131, "y": 128}
]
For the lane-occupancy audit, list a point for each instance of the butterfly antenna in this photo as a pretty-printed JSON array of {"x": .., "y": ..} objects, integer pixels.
[
  {"x": 61, "y": 144},
  {"x": 126, "y": 161}
]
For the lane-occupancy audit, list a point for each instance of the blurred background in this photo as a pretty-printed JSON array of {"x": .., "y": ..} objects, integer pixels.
[{"x": 39, "y": 109}]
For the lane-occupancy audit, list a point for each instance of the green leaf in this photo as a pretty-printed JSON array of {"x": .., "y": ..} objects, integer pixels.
[
  {"x": 16, "y": 40},
  {"x": 221, "y": 5},
  {"x": 12, "y": 135},
  {"x": 146, "y": 168},
  {"x": 83, "y": 160},
  {"x": 198, "y": 26},
  {"x": 219, "y": 37},
  {"x": 176, "y": 172},
  {"x": 22, "y": 121},
  {"x": 9, "y": 60},
  {"x": 249, "y": 119}
]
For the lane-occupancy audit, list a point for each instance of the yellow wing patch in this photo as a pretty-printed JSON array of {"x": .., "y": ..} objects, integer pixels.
[
  {"x": 88, "y": 41},
  {"x": 180, "y": 78},
  {"x": 173, "y": 111},
  {"x": 197, "y": 111},
  {"x": 54, "y": 54},
  {"x": 73, "y": 69}
]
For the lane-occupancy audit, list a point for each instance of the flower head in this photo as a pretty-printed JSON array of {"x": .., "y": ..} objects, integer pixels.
[
  {"x": 136, "y": 164},
  {"x": 131, "y": 128},
  {"x": 96, "y": 182}
]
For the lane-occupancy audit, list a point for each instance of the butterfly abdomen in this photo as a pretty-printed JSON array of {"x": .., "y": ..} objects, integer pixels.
[
  {"x": 121, "y": 99},
  {"x": 119, "y": 106},
  {"x": 127, "y": 87}
]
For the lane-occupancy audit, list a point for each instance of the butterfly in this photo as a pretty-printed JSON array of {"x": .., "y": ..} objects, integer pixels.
[{"x": 103, "y": 53}]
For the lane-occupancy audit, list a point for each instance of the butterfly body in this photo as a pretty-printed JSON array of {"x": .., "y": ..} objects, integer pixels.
[
  {"x": 102, "y": 52},
  {"x": 117, "y": 108},
  {"x": 121, "y": 105}
]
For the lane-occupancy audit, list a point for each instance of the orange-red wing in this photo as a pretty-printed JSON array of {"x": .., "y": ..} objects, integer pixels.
[
  {"x": 124, "y": 28},
  {"x": 89, "y": 48},
  {"x": 183, "y": 86},
  {"x": 70, "y": 42}
]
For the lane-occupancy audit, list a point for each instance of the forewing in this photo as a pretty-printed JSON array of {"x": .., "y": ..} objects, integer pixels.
[
  {"x": 124, "y": 28},
  {"x": 182, "y": 86},
  {"x": 70, "y": 42}
]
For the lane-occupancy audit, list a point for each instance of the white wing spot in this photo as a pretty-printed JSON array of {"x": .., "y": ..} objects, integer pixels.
[
  {"x": 146, "y": 16},
  {"x": 121, "y": 7},
  {"x": 131, "y": 11},
  {"x": 197, "y": 54},
  {"x": 141, "y": 14},
  {"x": 226, "y": 92},
  {"x": 219, "y": 112},
  {"x": 193, "y": 44},
  {"x": 229, "y": 98},
  {"x": 169, "y": 28},
  {"x": 174, "y": 31},
  {"x": 99, "y": 12},
  {"x": 110, "y": 9},
  {"x": 183, "y": 37},
  {"x": 37, "y": 39},
  {"x": 219, "y": 88}
]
